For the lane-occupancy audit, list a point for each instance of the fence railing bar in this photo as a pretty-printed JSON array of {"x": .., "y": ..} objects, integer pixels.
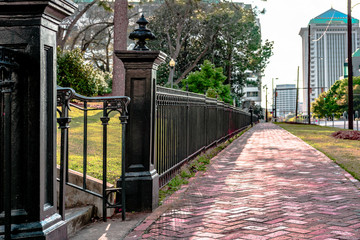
[
  {"x": 107, "y": 105},
  {"x": 189, "y": 124},
  {"x": 63, "y": 99},
  {"x": 105, "y": 122},
  {"x": 7, "y": 96},
  {"x": 84, "y": 190},
  {"x": 123, "y": 119},
  {"x": 85, "y": 146}
]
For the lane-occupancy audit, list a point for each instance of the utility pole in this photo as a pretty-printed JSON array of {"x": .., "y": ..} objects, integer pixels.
[
  {"x": 297, "y": 95},
  {"x": 273, "y": 94},
  {"x": 266, "y": 109},
  {"x": 309, "y": 89},
  {"x": 275, "y": 106},
  {"x": 350, "y": 69}
]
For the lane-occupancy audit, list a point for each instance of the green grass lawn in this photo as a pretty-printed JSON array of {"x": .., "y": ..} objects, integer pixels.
[
  {"x": 346, "y": 153},
  {"x": 94, "y": 144}
]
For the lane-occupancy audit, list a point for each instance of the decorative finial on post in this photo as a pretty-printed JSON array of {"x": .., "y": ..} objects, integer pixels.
[{"x": 141, "y": 34}]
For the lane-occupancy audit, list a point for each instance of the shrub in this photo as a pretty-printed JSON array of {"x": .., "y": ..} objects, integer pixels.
[
  {"x": 84, "y": 78},
  {"x": 210, "y": 80}
]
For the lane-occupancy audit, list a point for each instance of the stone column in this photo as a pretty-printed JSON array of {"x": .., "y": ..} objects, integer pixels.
[
  {"x": 29, "y": 29},
  {"x": 142, "y": 180}
]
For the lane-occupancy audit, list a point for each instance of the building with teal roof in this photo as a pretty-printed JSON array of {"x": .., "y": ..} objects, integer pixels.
[
  {"x": 333, "y": 16},
  {"x": 328, "y": 50}
]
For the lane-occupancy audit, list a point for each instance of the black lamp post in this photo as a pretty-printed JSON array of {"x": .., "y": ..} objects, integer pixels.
[
  {"x": 251, "y": 115},
  {"x": 350, "y": 69},
  {"x": 172, "y": 68},
  {"x": 266, "y": 109},
  {"x": 141, "y": 34},
  {"x": 275, "y": 114}
]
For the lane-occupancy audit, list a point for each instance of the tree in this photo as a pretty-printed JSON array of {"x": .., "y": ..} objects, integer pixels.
[
  {"x": 259, "y": 111},
  {"x": 225, "y": 33},
  {"x": 180, "y": 29},
  {"x": 335, "y": 100},
  {"x": 210, "y": 80},
  {"x": 239, "y": 46},
  {"x": 91, "y": 29}
]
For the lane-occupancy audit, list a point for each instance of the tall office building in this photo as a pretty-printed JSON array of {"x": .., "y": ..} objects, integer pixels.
[
  {"x": 328, "y": 51},
  {"x": 285, "y": 99}
]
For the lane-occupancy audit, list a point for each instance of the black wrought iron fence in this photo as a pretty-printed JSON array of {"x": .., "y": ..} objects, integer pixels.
[
  {"x": 7, "y": 83},
  {"x": 188, "y": 123},
  {"x": 67, "y": 99}
]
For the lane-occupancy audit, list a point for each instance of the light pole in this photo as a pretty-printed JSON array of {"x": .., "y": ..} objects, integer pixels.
[
  {"x": 309, "y": 62},
  {"x": 275, "y": 114},
  {"x": 297, "y": 95},
  {"x": 266, "y": 110},
  {"x": 172, "y": 68},
  {"x": 350, "y": 69},
  {"x": 272, "y": 92},
  {"x": 251, "y": 115}
]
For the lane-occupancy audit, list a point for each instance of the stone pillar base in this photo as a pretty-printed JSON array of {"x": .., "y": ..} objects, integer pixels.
[{"x": 142, "y": 190}]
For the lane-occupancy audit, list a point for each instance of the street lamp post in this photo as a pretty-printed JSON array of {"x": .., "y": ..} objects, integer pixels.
[
  {"x": 172, "y": 68},
  {"x": 266, "y": 109},
  {"x": 309, "y": 62},
  {"x": 272, "y": 92},
  {"x": 275, "y": 114},
  {"x": 350, "y": 69},
  {"x": 251, "y": 115}
]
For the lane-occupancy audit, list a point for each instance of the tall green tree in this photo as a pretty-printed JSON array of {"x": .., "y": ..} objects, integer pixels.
[
  {"x": 209, "y": 80},
  {"x": 182, "y": 32}
]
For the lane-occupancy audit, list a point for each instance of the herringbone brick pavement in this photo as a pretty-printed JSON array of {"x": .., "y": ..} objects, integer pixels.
[{"x": 268, "y": 184}]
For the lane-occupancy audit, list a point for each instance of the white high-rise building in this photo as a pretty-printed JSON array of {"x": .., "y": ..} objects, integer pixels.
[
  {"x": 285, "y": 99},
  {"x": 328, "y": 51}
]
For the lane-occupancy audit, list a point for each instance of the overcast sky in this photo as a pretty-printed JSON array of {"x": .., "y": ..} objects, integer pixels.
[{"x": 281, "y": 23}]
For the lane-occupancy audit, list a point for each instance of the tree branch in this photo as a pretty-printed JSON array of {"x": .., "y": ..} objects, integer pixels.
[
  {"x": 87, "y": 28},
  {"x": 63, "y": 40},
  {"x": 189, "y": 69}
]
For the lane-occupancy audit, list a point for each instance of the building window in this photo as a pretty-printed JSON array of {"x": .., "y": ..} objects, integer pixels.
[{"x": 252, "y": 94}]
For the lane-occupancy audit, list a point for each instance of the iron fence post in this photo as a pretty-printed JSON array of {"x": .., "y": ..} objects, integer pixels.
[
  {"x": 85, "y": 144},
  {"x": 123, "y": 119},
  {"x": 63, "y": 121},
  {"x": 105, "y": 122}
]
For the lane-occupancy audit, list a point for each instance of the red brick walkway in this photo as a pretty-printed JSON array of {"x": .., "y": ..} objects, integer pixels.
[{"x": 267, "y": 184}]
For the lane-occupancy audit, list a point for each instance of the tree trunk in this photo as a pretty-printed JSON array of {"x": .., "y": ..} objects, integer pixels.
[{"x": 120, "y": 42}]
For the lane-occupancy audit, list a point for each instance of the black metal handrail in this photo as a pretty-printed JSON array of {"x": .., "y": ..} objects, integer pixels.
[
  {"x": 189, "y": 123},
  {"x": 108, "y": 105}
]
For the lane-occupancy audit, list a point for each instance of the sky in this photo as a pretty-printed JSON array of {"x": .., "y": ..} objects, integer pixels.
[{"x": 281, "y": 24}]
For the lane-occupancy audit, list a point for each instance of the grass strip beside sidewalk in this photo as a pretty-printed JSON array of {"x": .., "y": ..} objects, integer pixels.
[{"x": 346, "y": 153}]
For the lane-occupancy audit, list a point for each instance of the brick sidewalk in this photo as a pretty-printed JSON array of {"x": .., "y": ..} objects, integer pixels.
[{"x": 267, "y": 184}]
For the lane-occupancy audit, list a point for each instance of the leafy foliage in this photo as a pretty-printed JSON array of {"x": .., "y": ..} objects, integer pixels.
[
  {"x": 210, "y": 80},
  {"x": 335, "y": 100},
  {"x": 225, "y": 33},
  {"x": 74, "y": 72},
  {"x": 258, "y": 110}
]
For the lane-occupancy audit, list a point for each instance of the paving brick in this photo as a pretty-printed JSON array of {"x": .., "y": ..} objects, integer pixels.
[{"x": 268, "y": 184}]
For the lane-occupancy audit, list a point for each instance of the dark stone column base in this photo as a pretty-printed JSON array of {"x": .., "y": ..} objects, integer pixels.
[
  {"x": 52, "y": 228},
  {"x": 142, "y": 190}
]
